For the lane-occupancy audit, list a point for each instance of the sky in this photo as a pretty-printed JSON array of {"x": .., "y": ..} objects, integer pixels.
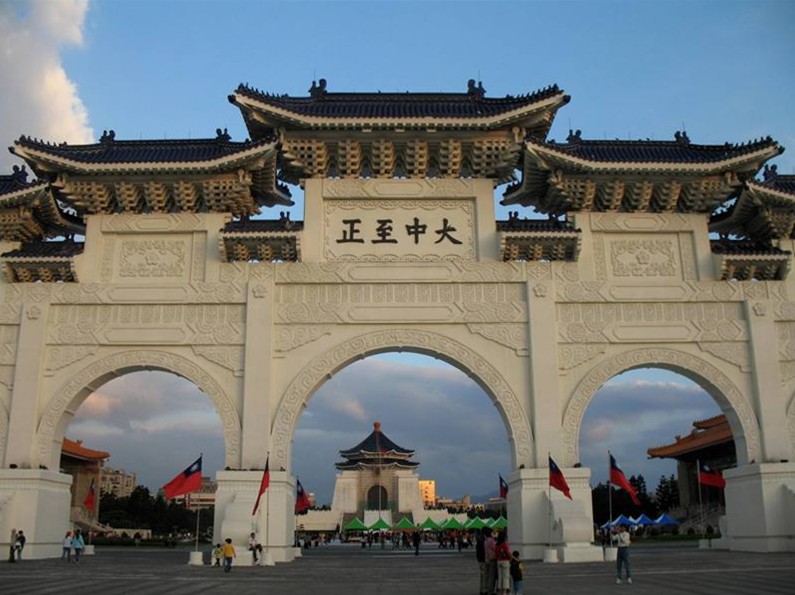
[{"x": 70, "y": 69}]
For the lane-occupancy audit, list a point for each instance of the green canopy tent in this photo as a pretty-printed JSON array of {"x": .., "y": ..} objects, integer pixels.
[
  {"x": 355, "y": 525},
  {"x": 452, "y": 523},
  {"x": 404, "y": 524},
  {"x": 379, "y": 525},
  {"x": 500, "y": 523},
  {"x": 476, "y": 523},
  {"x": 430, "y": 525}
]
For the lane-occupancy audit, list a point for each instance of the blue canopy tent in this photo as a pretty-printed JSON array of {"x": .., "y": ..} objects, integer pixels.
[
  {"x": 664, "y": 519},
  {"x": 642, "y": 520},
  {"x": 619, "y": 520}
]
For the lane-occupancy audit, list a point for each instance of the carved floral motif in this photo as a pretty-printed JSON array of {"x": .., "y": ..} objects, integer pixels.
[
  {"x": 152, "y": 258},
  {"x": 295, "y": 335},
  {"x": 513, "y": 336},
  {"x": 642, "y": 258}
]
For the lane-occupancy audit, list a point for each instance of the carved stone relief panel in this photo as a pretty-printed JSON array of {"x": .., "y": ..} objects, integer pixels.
[
  {"x": 162, "y": 258},
  {"x": 399, "y": 230},
  {"x": 643, "y": 257},
  {"x": 642, "y": 222},
  {"x": 458, "y": 188},
  {"x": 512, "y": 336},
  {"x": 8, "y": 344},
  {"x": 650, "y": 322},
  {"x": 441, "y": 271},
  {"x": 293, "y": 336},
  {"x": 406, "y": 302},
  {"x": 147, "y": 324}
]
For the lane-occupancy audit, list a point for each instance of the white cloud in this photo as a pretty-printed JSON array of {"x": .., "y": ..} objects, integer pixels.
[
  {"x": 86, "y": 429},
  {"x": 38, "y": 98},
  {"x": 202, "y": 421}
]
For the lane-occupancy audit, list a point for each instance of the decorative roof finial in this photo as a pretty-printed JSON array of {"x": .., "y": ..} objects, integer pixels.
[
  {"x": 377, "y": 426},
  {"x": 222, "y": 135},
  {"x": 475, "y": 90},
  {"x": 318, "y": 90},
  {"x": 574, "y": 136},
  {"x": 20, "y": 174},
  {"x": 770, "y": 172},
  {"x": 108, "y": 136},
  {"x": 681, "y": 138}
]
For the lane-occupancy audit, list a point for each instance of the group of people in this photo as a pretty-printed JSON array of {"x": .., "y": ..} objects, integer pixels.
[
  {"x": 72, "y": 542},
  {"x": 15, "y": 545},
  {"x": 501, "y": 571},
  {"x": 226, "y": 552}
]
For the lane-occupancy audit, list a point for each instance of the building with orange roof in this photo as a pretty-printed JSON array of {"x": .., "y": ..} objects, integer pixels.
[
  {"x": 84, "y": 465},
  {"x": 710, "y": 442}
]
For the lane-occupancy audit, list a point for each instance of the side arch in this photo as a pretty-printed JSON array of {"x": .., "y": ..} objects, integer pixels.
[
  {"x": 739, "y": 412},
  {"x": 52, "y": 425},
  {"x": 325, "y": 365}
]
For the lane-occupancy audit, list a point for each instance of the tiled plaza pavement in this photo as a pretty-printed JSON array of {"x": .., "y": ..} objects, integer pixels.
[{"x": 336, "y": 570}]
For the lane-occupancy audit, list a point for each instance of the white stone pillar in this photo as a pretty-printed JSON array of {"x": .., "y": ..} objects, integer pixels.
[
  {"x": 544, "y": 413},
  {"x": 769, "y": 399},
  {"x": 37, "y": 501},
  {"x": 28, "y": 372},
  {"x": 256, "y": 414},
  {"x": 570, "y": 528},
  {"x": 760, "y": 508}
]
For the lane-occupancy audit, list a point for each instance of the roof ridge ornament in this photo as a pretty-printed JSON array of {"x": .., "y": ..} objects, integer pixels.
[
  {"x": 108, "y": 136},
  {"x": 20, "y": 174},
  {"x": 222, "y": 136},
  {"x": 318, "y": 89},
  {"x": 475, "y": 91},
  {"x": 575, "y": 137},
  {"x": 770, "y": 173},
  {"x": 681, "y": 137}
]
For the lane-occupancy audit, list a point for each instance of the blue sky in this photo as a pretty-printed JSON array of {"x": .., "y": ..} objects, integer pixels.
[{"x": 148, "y": 69}]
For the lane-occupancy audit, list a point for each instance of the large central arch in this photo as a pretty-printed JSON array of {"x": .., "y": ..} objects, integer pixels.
[
  {"x": 742, "y": 420},
  {"x": 84, "y": 382},
  {"x": 484, "y": 373}
]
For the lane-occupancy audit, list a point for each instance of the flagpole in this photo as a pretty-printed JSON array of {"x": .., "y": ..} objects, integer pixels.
[
  {"x": 700, "y": 503},
  {"x": 198, "y": 514},
  {"x": 549, "y": 507},
  {"x": 609, "y": 503}
]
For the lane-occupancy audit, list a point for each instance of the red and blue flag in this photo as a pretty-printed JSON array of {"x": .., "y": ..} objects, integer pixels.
[
  {"x": 618, "y": 479},
  {"x": 557, "y": 480},
  {"x": 188, "y": 481}
]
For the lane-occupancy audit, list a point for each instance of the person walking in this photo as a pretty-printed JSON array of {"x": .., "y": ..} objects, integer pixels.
[
  {"x": 66, "y": 544},
  {"x": 491, "y": 559},
  {"x": 12, "y": 542},
  {"x": 78, "y": 545},
  {"x": 229, "y": 553},
  {"x": 502, "y": 552},
  {"x": 480, "y": 556},
  {"x": 517, "y": 573},
  {"x": 19, "y": 544},
  {"x": 622, "y": 539},
  {"x": 217, "y": 554},
  {"x": 415, "y": 538}
]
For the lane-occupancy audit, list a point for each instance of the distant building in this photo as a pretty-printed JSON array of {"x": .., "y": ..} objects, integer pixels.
[
  {"x": 118, "y": 482},
  {"x": 711, "y": 442},
  {"x": 464, "y": 502},
  {"x": 202, "y": 499},
  {"x": 428, "y": 492},
  {"x": 85, "y": 467}
]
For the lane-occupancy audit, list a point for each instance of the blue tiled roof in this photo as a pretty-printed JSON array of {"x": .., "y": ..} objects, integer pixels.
[
  {"x": 41, "y": 249},
  {"x": 374, "y": 443},
  {"x": 648, "y": 151},
  {"x": 398, "y": 105},
  {"x": 146, "y": 151},
  {"x": 17, "y": 181}
]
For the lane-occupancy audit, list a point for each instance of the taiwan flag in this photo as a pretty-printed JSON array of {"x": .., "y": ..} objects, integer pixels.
[
  {"x": 263, "y": 485},
  {"x": 707, "y": 476},
  {"x": 557, "y": 480},
  {"x": 618, "y": 479},
  {"x": 90, "y": 501},
  {"x": 188, "y": 481},
  {"x": 302, "y": 502},
  {"x": 503, "y": 488}
]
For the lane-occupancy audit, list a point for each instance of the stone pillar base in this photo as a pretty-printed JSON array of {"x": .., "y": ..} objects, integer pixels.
[
  {"x": 760, "y": 498},
  {"x": 37, "y": 501}
]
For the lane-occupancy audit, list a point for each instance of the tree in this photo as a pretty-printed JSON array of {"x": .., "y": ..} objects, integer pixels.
[{"x": 667, "y": 495}]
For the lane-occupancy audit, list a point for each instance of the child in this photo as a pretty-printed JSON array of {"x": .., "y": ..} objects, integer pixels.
[
  {"x": 217, "y": 554},
  {"x": 517, "y": 573},
  {"x": 229, "y": 553}
]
